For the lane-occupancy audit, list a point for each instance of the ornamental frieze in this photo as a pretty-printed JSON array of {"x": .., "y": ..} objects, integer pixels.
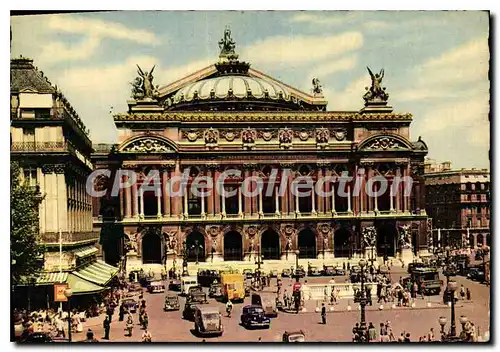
[
  {"x": 229, "y": 134},
  {"x": 211, "y": 137},
  {"x": 384, "y": 143},
  {"x": 191, "y": 135},
  {"x": 147, "y": 145},
  {"x": 340, "y": 134},
  {"x": 322, "y": 135},
  {"x": 288, "y": 230},
  {"x": 267, "y": 135},
  {"x": 303, "y": 134},
  {"x": 248, "y": 136},
  {"x": 285, "y": 137}
]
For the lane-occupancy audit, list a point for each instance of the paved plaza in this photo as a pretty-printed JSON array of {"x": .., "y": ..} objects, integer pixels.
[{"x": 170, "y": 327}]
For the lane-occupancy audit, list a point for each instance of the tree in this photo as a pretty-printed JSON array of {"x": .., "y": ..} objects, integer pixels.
[{"x": 25, "y": 248}]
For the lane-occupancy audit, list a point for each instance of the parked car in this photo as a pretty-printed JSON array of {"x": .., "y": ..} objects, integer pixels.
[
  {"x": 207, "y": 321},
  {"x": 130, "y": 304},
  {"x": 294, "y": 336},
  {"x": 253, "y": 316},
  {"x": 189, "y": 309},
  {"x": 171, "y": 303},
  {"x": 476, "y": 274},
  {"x": 267, "y": 301},
  {"x": 339, "y": 271},
  {"x": 313, "y": 271},
  {"x": 329, "y": 270},
  {"x": 215, "y": 290},
  {"x": 247, "y": 273},
  {"x": 286, "y": 273},
  {"x": 414, "y": 265},
  {"x": 196, "y": 294},
  {"x": 273, "y": 273}
]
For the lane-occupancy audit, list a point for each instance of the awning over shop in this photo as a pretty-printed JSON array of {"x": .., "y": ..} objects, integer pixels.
[
  {"x": 83, "y": 287},
  {"x": 85, "y": 251},
  {"x": 98, "y": 272},
  {"x": 45, "y": 278}
]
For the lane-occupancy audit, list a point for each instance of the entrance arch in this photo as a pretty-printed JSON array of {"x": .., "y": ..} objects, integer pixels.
[
  {"x": 233, "y": 246},
  {"x": 195, "y": 243},
  {"x": 270, "y": 244},
  {"x": 151, "y": 248},
  {"x": 386, "y": 240},
  {"x": 307, "y": 244},
  {"x": 341, "y": 243}
]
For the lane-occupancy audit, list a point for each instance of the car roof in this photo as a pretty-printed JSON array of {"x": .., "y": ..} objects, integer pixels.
[
  {"x": 252, "y": 306},
  {"x": 209, "y": 309}
]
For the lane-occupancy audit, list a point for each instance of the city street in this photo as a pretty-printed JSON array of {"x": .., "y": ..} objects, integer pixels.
[{"x": 170, "y": 327}]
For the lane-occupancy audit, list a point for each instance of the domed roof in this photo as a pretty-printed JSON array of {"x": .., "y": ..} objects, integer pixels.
[{"x": 237, "y": 86}]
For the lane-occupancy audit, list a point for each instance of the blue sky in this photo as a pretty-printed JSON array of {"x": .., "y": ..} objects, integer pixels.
[{"x": 436, "y": 63}]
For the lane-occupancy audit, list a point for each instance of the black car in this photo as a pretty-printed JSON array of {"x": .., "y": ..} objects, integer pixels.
[
  {"x": 286, "y": 273},
  {"x": 329, "y": 270},
  {"x": 36, "y": 337},
  {"x": 476, "y": 274},
  {"x": 247, "y": 273},
  {"x": 339, "y": 271},
  {"x": 313, "y": 271},
  {"x": 189, "y": 309},
  {"x": 254, "y": 316},
  {"x": 412, "y": 266},
  {"x": 174, "y": 285}
]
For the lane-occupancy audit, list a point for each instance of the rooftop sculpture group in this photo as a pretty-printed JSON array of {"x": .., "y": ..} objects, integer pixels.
[{"x": 376, "y": 93}]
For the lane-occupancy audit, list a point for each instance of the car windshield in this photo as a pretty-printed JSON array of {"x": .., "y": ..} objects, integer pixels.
[
  {"x": 296, "y": 338},
  {"x": 211, "y": 316},
  {"x": 256, "y": 310}
]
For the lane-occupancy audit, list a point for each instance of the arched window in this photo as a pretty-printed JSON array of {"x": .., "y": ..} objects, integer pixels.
[{"x": 307, "y": 244}]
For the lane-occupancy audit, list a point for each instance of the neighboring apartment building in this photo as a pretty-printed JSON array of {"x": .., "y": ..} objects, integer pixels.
[
  {"x": 53, "y": 148},
  {"x": 458, "y": 201}
]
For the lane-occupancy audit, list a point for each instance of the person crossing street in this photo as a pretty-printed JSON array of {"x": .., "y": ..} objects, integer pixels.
[
  {"x": 229, "y": 308},
  {"x": 107, "y": 326},
  {"x": 323, "y": 314}
]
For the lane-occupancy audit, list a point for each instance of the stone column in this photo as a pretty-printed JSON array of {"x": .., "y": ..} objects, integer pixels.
[
  {"x": 203, "y": 213},
  {"x": 121, "y": 195},
  {"x": 313, "y": 201},
  {"x": 254, "y": 198},
  {"x": 321, "y": 199},
  {"x": 291, "y": 197},
  {"x": 276, "y": 199},
  {"x": 186, "y": 211},
  {"x": 216, "y": 195},
  {"x": 391, "y": 196},
  {"x": 375, "y": 201},
  {"x": 128, "y": 203},
  {"x": 158, "y": 205},
  {"x": 240, "y": 202},
  {"x": 141, "y": 200},
  {"x": 248, "y": 201},
  {"x": 165, "y": 194},
  {"x": 210, "y": 198},
  {"x": 328, "y": 188},
  {"x": 176, "y": 205},
  {"x": 261, "y": 212},
  {"x": 334, "y": 211},
  {"x": 349, "y": 198},
  {"x": 297, "y": 208},
  {"x": 284, "y": 196},
  {"x": 135, "y": 198},
  {"x": 397, "y": 196},
  {"x": 223, "y": 200}
]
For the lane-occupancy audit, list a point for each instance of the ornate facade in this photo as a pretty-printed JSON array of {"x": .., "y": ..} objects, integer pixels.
[{"x": 230, "y": 116}]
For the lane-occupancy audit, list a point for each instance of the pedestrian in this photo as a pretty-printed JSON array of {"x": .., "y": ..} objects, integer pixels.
[
  {"x": 325, "y": 294},
  {"x": 90, "y": 337},
  {"x": 146, "y": 336},
  {"x": 130, "y": 325},
  {"x": 107, "y": 325},
  {"x": 407, "y": 337},
  {"x": 229, "y": 308},
  {"x": 145, "y": 321},
  {"x": 462, "y": 292},
  {"x": 422, "y": 289},
  {"x": 110, "y": 310},
  {"x": 121, "y": 312},
  {"x": 372, "y": 332},
  {"x": 402, "y": 337},
  {"x": 467, "y": 292},
  {"x": 415, "y": 290},
  {"x": 430, "y": 336},
  {"x": 383, "y": 329},
  {"x": 333, "y": 298},
  {"x": 390, "y": 333},
  {"x": 60, "y": 327},
  {"x": 323, "y": 313},
  {"x": 348, "y": 266},
  {"x": 343, "y": 266}
]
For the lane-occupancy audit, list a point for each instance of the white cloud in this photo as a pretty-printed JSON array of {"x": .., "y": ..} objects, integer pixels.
[
  {"x": 327, "y": 68},
  {"x": 350, "y": 98},
  {"x": 463, "y": 69},
  {"x": 80, "y": 51},
  {"x": 100, "y": 28},
  {"x": 376, "y": 25},
  {"x": 301, "y": 49},
  {"x": 325, "y": 18}
]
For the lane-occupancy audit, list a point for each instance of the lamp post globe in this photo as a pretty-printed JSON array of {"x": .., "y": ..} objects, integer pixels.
[
  {"x": 68, "y": 292},
  {"x": 452, "y": 285},
  {"x": 442, "y": 321},
  {"x": 362, "y": 263},
  {"x": 463, "y": 319}
]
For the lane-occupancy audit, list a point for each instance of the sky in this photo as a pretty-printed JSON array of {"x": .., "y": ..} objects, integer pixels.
[{"x": 436, "y": 62}]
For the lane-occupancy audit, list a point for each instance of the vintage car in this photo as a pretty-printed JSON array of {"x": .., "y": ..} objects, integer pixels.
[
  {"x": 196, "y": 294},
  {"x": 247, "y": 273},
  {"x": 294, "y": 336},
  {"x": 273, "y": 273},
  {"x": 430, "y": 278},
  {"x": 415, "y": 265},
  {"x": 267, "y": 301},
  {"x": 207, "y": 277},
  {"x": 450, "y": 270},
  {"x": 329, "y": 270},
  {"x": 135, "y": 287},
  {"x": 130, "y": 305},
  {"x": 313, "y": 271},
  {"x": 171, "y": 303},
  {"x": 476, "y": 274},
  {"x": 354, "y": 274},
  {"x": 174, "y": 285},
  {"x": 254, "y": 316},
  {"x": 207, "y": 321},
  {"x": 156, "y": 287},
  {"x": 286, "y": 273},
  {"x": 189, "y": 309},
  {"x": 215, "y": 290},
  {"x": 339, "y": 271}
]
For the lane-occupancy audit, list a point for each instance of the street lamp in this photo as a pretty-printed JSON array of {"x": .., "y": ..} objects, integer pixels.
[
  {"x": 451, "y": 287},
  {"x": 68, "y": 293},
  {"x": 184, "y": 260},
  {"x": 258, "y": 262},
  {"x": 297, "y": 252},
  {"x": 362, "y": 331}
]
